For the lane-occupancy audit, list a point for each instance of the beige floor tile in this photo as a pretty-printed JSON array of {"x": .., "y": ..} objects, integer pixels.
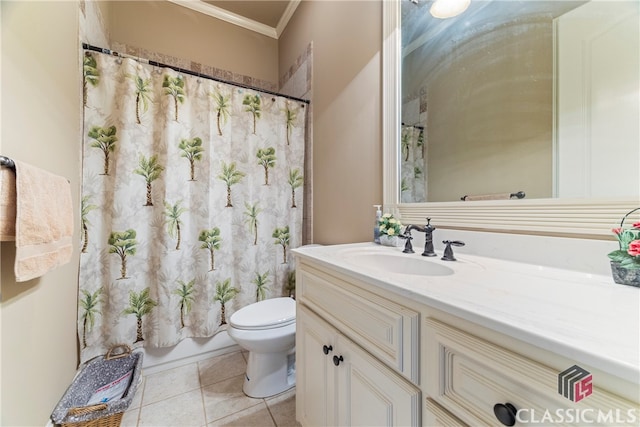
[
  {"x": 283, "y": 408},
  {"x": 130, "y": 418},
  {"x": 221, "y": 368},
  {"x": 225, "y": 398},
  {"x": 184, "y": 410},
  {"x": 137, "y": 398},
  {"x": 257, "y": 415},
  {"x": 170, "y": 383}
]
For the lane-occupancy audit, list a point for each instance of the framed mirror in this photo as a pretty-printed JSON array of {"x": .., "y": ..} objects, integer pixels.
[{"x": 572, "y": 189}]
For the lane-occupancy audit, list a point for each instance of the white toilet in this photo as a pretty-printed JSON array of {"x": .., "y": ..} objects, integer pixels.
[{"x": 267, "y": 330}]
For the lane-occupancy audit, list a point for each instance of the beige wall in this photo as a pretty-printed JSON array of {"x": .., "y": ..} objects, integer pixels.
[
  {"x": 347, "y": 118},
  {"x": 41, "y": 98},
  {"x": 164, "y": 27}
]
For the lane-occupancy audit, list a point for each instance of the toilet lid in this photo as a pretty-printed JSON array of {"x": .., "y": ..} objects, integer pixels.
[{"x": 270, "y": 313}]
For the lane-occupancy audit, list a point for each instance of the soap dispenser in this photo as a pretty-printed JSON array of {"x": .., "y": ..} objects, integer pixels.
[{"x": 376, "y": 227}]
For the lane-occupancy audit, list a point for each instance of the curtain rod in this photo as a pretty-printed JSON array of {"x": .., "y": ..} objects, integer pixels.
[
  {"x": 87, "y": 46},
  {"x": 413, "y": 126}
]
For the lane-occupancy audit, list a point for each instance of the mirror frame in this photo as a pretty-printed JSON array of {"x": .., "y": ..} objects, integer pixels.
[{"x": 589, "y": 218}]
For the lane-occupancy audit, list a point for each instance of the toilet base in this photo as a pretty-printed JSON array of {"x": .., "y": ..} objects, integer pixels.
[{"x": 269, "y": 374}]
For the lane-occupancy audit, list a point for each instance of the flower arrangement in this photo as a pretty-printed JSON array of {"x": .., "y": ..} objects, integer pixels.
[
  {"x": 389, "y": 226},
  {"x": 629, "y": 242}
]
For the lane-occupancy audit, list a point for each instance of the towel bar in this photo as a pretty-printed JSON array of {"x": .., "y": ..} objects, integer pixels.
[
  {"x": 7, "y": 162},
  {"x": 498, "y": 196}
]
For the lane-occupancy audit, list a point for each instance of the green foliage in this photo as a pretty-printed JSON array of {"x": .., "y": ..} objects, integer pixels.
[
  {"x": 223, "y": 105},
  {"x": 140, "y": 304},
  {"x": 290, "y": 118},
  {"x": 90, "y": 71},
  {"x": 231, "y": 176},
  {"x": 149, "y": 168},
  {"x": 143, "y": 93},
  {"x": 282, "y": 238},
  {"x": 89, "y": 304},
  {"x": 210, "y": 238},
  {"x": 627, "y": 254},
  {"x": 261, "y": 280},
  {"x": 267, "y": 159},
  {"x": 403, "y": 185},
  {"x": 389, "y": 225},
  {"x": 173, "y": 212},
  {"x": 295, "y": 180},
  {"x": 186, "y": 293},
  {"x": 225, "y": 292},
  {"x": 123, "y": 242},
  {"x": 251, "y": 213},
  {"x": 253, "y": 105},
  {"x": 174, "y": 87},
  {"x": 105, "y": 140},
  {"x": 191, "y": 148}
]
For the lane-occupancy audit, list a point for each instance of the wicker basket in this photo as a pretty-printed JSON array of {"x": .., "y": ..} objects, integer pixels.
[{"x": 72, "y": 410}]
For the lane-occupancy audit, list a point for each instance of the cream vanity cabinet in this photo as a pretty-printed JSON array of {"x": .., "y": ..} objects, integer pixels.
[
  {"x": 472, "y": 381},
  {"x": 369, "y": 353},
  {"x": 356, "y": 355}
]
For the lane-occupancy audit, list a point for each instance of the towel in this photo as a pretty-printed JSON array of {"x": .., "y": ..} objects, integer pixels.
[
  {"x": 44, "y": 222},
  {"x": 7, "y": 204}
]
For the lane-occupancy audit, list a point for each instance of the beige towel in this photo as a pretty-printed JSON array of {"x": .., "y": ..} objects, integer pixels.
[
  {"x": 44, "y": 222},
  {"x": 7, "y": 204}
]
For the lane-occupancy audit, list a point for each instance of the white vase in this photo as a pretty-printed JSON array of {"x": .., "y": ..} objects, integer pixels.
[{"x": 393, "y": 241}]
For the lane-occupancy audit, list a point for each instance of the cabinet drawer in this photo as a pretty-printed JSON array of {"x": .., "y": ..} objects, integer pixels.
[
  {"x": 386, "y": 329},
  {"x": 468, "y": 376},
  {"x": 435, "y": 416}
]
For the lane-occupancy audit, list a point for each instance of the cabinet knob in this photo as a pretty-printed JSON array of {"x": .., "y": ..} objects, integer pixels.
[
  {"x": 326, "y": 349},
  {"x": 505, "y": 413},
  {"x": 337, "y": 360}
]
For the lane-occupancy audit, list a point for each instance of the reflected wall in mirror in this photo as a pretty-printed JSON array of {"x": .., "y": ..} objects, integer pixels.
[{"x": 534, "y": 96}]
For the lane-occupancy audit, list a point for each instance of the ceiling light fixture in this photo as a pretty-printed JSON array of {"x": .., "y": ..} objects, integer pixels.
[{"x": 448, "y": 8}]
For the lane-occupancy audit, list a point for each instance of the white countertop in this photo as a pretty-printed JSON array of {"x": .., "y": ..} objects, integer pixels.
[{"x": 584, "y": 317}]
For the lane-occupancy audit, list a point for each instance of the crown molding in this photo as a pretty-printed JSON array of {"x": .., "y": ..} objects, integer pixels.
[
  {"x": 241, "y": 21},
  {"x": 286, "y": 16}
]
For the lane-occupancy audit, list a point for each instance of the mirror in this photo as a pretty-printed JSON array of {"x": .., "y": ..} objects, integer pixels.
[
  {"x": 484, "y": 94},
  {"x": 587, "y": 213}
]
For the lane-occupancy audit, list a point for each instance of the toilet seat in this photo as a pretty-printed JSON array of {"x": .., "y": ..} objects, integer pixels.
[{"x": 267, "y": 314}]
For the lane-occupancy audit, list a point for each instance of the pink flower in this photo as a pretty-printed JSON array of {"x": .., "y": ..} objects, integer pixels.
[
  {"x": 617, "y": 231},
  {"x": 636, "y": 224},
  {"x": 634, "y": 248}
]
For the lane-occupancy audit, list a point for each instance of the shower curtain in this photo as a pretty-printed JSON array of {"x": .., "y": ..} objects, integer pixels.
[
  {"x": 413, "y": 183},
  {"x": 191, "y": 203}
]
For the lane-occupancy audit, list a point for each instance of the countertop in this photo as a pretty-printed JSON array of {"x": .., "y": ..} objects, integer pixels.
[{"x": 584, "y": 317}]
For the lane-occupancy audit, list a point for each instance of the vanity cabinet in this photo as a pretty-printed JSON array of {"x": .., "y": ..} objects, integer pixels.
[
  {"x": 354, "y": 363},
  {"x": 340, "y": 384},
  {"x": 468, "y": 376},
  {"x": 448, "y": 351}
]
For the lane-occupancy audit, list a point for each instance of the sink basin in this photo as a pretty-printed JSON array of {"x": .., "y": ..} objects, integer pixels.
[{"x": 399, "y": 264}]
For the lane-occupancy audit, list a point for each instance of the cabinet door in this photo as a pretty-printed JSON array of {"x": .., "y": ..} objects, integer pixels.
[
  {"x": 369, "y": 393},
  {"x": 315, "y": 376}
]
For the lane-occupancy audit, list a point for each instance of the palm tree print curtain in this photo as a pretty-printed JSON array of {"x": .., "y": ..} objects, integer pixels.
[
  {"x": 191, "y": 203},
  {"x": 413, "y": 182}
]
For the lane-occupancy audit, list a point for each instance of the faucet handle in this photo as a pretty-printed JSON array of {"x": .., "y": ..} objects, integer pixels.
[
  {"x": 408, "y": 248},
  {"x": 448, "y": 252}
]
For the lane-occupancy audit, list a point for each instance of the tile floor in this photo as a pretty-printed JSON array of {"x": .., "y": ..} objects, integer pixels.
[{"x": 206, "y": 393}]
